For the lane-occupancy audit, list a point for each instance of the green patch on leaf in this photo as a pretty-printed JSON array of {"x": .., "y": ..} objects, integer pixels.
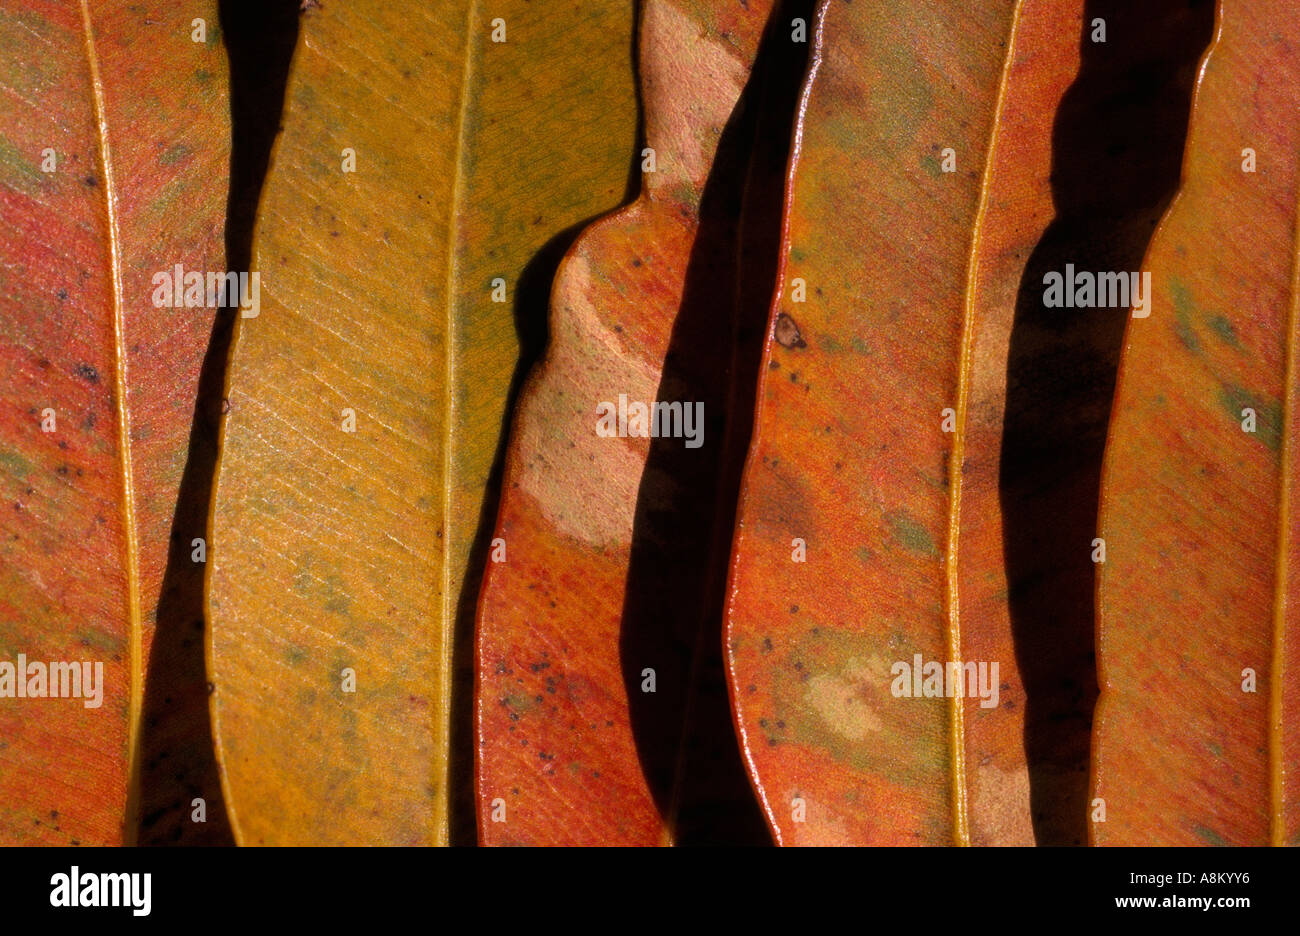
[
  {"x": 519, "y": 702},
  {"x": 175, "y": 154},
  {"x": 1223, "y": 328},
  {"x": 1268, "y": 413},
  {"x": 833, "y": 692},
  {"x": 1209, "y": 836},
  {"x": 1184, "y": 308},
  {"x": 99, "y": 640},
  {"x": 909, "y": 533},
  {"x": 17, "y": 170},
  {"x": 14, "y": 465}
]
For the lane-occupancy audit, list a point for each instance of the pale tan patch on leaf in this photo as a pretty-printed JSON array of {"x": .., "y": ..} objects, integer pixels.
[
  {"x": 1001, "y": 801},
  {"x": 704, "y": 72},
  {"x": 588, "y": 490},
  {"x": 841, "y": 700}
]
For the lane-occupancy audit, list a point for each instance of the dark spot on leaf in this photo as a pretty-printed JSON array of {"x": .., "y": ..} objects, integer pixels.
[{"x": 786, "y": 332}]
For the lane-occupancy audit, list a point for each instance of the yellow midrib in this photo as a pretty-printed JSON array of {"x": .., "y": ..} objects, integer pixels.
[
  {"x": 956, "y": 713},
  {"x": 1277, "y": 766},
  {"x": 442, "y": 733},
  {"x": 131, "y": 546}
]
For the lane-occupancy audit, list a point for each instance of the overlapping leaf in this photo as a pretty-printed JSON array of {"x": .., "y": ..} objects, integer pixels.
[
  {"x": 585, "y": 668},
  {"x": 887, "y": 317},
  {"x": 927, "y": 443},
  {"x": 886, "y": 492}
]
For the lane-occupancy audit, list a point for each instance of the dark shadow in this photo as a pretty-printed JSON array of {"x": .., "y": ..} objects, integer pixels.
[
  {"x": 532, "y": 294},
  {"x": 177, "y": 759},
  {"x": 1117, "y": 147},
  {"x": 685, "y": 513}
]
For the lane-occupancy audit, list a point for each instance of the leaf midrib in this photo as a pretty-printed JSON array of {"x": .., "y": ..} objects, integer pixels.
[
  {"x": 442, "y": 738},
  {"x": 1277, "y": 766},
  {"x": 957, "y": 456},
  {"x": 123, "y": 418}
]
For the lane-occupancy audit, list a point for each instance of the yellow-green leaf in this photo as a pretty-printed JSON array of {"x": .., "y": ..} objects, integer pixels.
[{"x": 367, "y": 397}]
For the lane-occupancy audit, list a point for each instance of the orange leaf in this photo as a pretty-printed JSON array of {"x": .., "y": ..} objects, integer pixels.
[
  {"x": 874, "y": 523},
  {"x": 583, "y": 692},
  {"x": 1198, "y": 726},
  {"x": 113, "y": 129}
]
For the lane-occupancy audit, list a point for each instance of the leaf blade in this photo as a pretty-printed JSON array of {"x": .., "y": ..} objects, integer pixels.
[
  {"x": 1183, "y": 753},
  {"x": 809, "y": 681},
  {"x": 411, "y": 478},
  {"x": 83, "y": 339},
  {"x": 558, "y": 654}
]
